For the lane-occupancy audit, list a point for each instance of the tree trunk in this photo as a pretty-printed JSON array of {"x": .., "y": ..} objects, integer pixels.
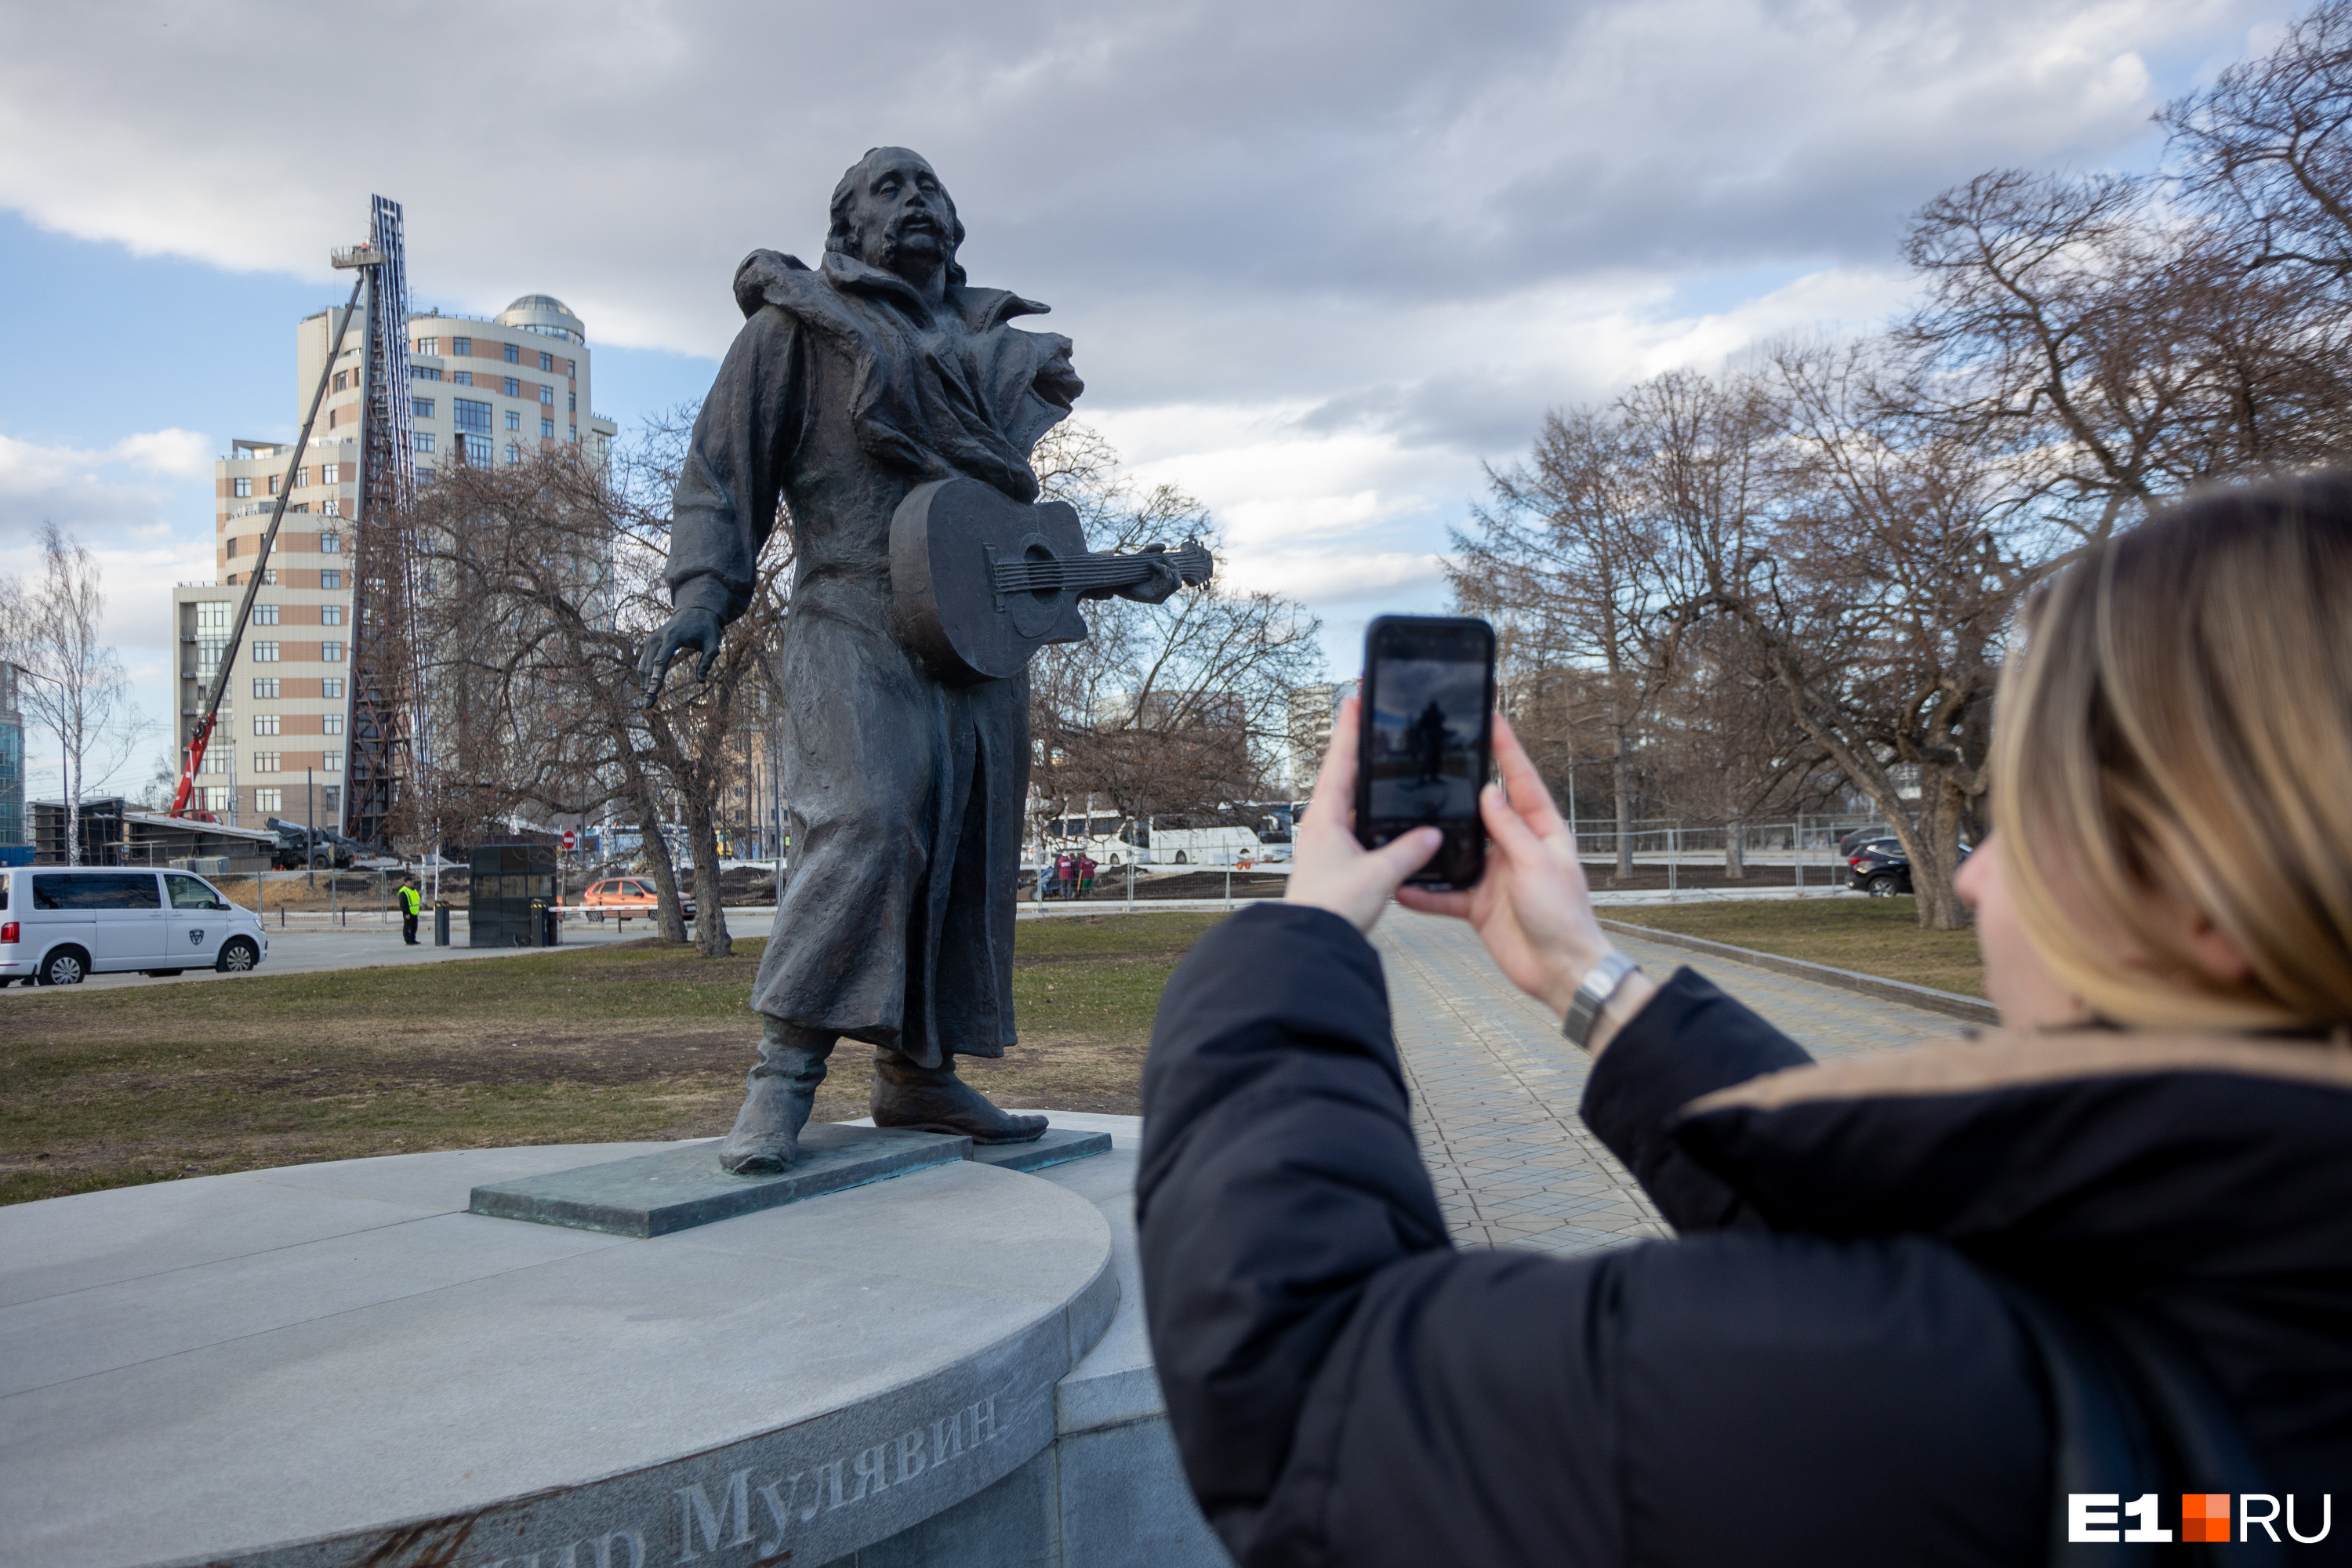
[
  {"x": 1617, "y": 775},
  {"x": 711, "y": 939},
  {"x": 668, "y": 913},
  {"x": 1935, "y": 862},
  {"x": 1735, "y": 851}
]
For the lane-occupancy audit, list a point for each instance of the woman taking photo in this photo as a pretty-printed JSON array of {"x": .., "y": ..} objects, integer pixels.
[{"x": 2061, "y": 1289}]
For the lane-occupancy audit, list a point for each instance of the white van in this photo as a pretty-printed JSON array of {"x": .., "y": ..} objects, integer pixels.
[{"x": 60, "y": 924}]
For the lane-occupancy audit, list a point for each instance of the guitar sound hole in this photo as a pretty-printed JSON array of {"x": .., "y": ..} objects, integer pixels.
[{"x": 1048, "y": 581}]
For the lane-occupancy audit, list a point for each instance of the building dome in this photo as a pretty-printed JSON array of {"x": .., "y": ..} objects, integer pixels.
[{"x": 547, "y": 314}]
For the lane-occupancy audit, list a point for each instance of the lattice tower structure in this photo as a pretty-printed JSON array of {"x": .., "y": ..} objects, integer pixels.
[{"x": 387, "y": 706}]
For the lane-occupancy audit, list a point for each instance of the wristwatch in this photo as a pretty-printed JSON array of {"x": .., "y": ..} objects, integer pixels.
[{"x": 1599, "y": 985}]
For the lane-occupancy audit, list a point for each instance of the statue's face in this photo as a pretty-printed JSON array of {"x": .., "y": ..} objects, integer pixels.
[{"x": 901, "y": 217}]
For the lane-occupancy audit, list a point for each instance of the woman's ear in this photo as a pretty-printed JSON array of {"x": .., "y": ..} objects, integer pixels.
[{"x": 2207, "y": 945}]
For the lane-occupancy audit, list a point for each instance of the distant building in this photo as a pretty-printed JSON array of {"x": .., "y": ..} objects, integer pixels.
[
  {"x": 1312, "y": 709},
  {"x": 480, "y": 392},
  {"x": 13, "y": 826}
]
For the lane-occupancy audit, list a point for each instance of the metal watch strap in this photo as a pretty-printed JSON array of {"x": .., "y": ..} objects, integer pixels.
[{"x": 1599, "y": 985}]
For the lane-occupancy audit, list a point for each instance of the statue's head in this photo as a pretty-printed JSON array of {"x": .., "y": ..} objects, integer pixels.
[{"x": 890, "y": 211}]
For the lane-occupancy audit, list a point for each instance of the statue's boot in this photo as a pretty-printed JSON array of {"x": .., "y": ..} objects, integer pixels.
[
  {"x": 777, "y": 1100},
  {"x": 933, "y": 1099}
]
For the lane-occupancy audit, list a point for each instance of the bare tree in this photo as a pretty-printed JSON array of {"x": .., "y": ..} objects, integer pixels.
[
  {"x": 1176, "y": 707},
  {"x": 2267, "y": 149},
  {"x": 542, "y": 579},
  {"x": 72, "y": 682},
  {"x": 1566, "y": 563}
]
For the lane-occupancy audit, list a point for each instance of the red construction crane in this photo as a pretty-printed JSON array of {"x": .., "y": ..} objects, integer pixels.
[{"x": 360, "y": 258}]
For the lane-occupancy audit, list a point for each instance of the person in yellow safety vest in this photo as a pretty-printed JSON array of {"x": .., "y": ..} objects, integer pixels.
[{"x": 410, "y": 902}]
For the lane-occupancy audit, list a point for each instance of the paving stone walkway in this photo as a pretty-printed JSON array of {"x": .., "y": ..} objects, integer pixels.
[{"x": 1495, "y": 1086}]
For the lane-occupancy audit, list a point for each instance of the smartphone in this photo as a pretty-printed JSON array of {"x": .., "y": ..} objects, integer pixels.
[{"x": 1425, "y": 739}]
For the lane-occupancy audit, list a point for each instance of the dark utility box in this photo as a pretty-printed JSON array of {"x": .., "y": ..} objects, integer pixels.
[{"x": 507, "y": 879}]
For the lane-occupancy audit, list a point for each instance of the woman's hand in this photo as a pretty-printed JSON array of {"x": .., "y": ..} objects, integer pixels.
[
  {"x": 1328, "y": 870},
  {"x": 1531, "y": 907}
]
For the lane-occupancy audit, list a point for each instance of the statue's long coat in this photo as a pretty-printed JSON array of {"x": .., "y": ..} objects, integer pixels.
[{"x": 841, "y": 394}]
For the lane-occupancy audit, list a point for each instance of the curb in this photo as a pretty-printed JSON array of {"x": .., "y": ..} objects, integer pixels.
[{"x": 1950, "y": 1002}]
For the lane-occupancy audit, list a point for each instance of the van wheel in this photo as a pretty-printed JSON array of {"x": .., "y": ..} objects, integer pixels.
[
  {"x": 1881, "y": 886},
  {"x": 66, "y": 966},
  {"x": 237, "y": 955}
]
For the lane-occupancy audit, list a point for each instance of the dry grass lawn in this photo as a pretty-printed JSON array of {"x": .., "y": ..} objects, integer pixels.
[
  {"x": 1875, "y": 936},
  {"x": 105, "y": 1089}
]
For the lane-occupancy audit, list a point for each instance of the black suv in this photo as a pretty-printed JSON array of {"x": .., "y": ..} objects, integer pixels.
[{"x": 1878, "y": 867}]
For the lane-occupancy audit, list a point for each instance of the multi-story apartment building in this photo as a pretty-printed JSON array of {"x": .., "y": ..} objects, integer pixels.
[
  {"x": 480, "y": 392},
  {"x": 14, "y": 828}
]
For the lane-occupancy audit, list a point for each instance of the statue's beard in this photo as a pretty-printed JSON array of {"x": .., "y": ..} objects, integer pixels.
[{"x": 927, "y": 247}]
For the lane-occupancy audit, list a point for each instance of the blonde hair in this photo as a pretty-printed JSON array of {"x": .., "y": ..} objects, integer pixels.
[{"x": 2180, "y": 725}]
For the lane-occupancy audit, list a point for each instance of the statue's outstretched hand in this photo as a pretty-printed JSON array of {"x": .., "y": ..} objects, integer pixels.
[
  {"x": 1163, "y": 581},
  {"x": 686, "y": 630}
]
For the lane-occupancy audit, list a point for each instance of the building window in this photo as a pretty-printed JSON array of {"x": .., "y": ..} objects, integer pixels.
[
  {"x": 273, "y": 484},
  {"x": 264, "y": 653},
  {"x": 330, "y": 652},
  {"x": 462, "y": 377},
  {"x": 332, "y": 506},
  {"x": 429, "y": 346},
  {"x": 229, "y": 548},
  {"x": 513, "y": 387},
  {"x": 330, "y": 473},
  {"x": 265, "y": 615},
  {"x": 330, "y": 724},
  {"x": 422, "y": 440},
  {"x": 332, "y": 687},
  {"x": 331, "y": 761},
  {"x": 575, "y": 435},
  {"x": 241, "y": 487},
  {"x": 547, "y": 361},
  {"x": 514, "y": 419},
  {"x": 425, "y": 475},
  {"x": 547, "y": 394},
  {"x": 331, "y": 545},
  {"x": 220, "y": 757},
  {"x": 342, "y": 380},
  {"x": 475, "y": 448},
  {"x": 425, "y": 373},
  {"x": 265, "y": 761},
  {"x": 514, "y": 453},
  {"x": 331, "y": 615},
  {"x": 211, "y": 797},
  {"x": 269, "y": 578},
  {"x": 547, "y": 429},
  {"x": 265, "y": 687},
  {"x": 212, "y": 616},
  {"x": 270, "y": 802},
  {"x": 331, "y": 578},
  {"x": 514, "y": 353},
  {"x": 331, "y": 796},
  {"x": 471, "y": 413},
  {"x": 264, "y": 723},
  {"x": 571, "y": 403},
  {"x": 421, "y": 408},
  {"x": 571, "y": 368},
  {"x": 462, "y": 347}
]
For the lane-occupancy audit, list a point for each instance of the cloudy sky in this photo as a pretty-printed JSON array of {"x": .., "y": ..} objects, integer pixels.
[{"x": 1320, "y": 260}]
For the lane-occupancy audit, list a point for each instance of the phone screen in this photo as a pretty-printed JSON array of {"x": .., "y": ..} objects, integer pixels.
[{"x": 1424, "y": 747}]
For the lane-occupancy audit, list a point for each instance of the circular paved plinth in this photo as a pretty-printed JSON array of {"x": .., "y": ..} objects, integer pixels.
[{"x": 334, "y": 1363}]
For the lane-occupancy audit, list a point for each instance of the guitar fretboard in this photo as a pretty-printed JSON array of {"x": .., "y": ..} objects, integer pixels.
[{"x": 1074, "y": 575}]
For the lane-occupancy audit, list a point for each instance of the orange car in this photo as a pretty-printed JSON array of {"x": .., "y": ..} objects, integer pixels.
[{"x": 622, "y": 897}]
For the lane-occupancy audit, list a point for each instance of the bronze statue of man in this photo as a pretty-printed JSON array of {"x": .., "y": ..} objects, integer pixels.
[{"x": 848, "y": 386}]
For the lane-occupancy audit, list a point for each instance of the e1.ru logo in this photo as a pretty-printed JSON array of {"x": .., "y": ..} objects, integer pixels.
[{"x": 2091, "y": 1517}]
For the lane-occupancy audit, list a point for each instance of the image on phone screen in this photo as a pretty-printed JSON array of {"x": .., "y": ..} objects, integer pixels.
[{"x": 1426, "y": 723}]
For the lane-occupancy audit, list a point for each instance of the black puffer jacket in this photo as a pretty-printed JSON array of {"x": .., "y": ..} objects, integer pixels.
[{"x": 1918, "y": 1298}]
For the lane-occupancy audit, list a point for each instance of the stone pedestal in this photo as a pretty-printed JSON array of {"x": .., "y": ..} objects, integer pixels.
[{"x": 337, "y": 1364}]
